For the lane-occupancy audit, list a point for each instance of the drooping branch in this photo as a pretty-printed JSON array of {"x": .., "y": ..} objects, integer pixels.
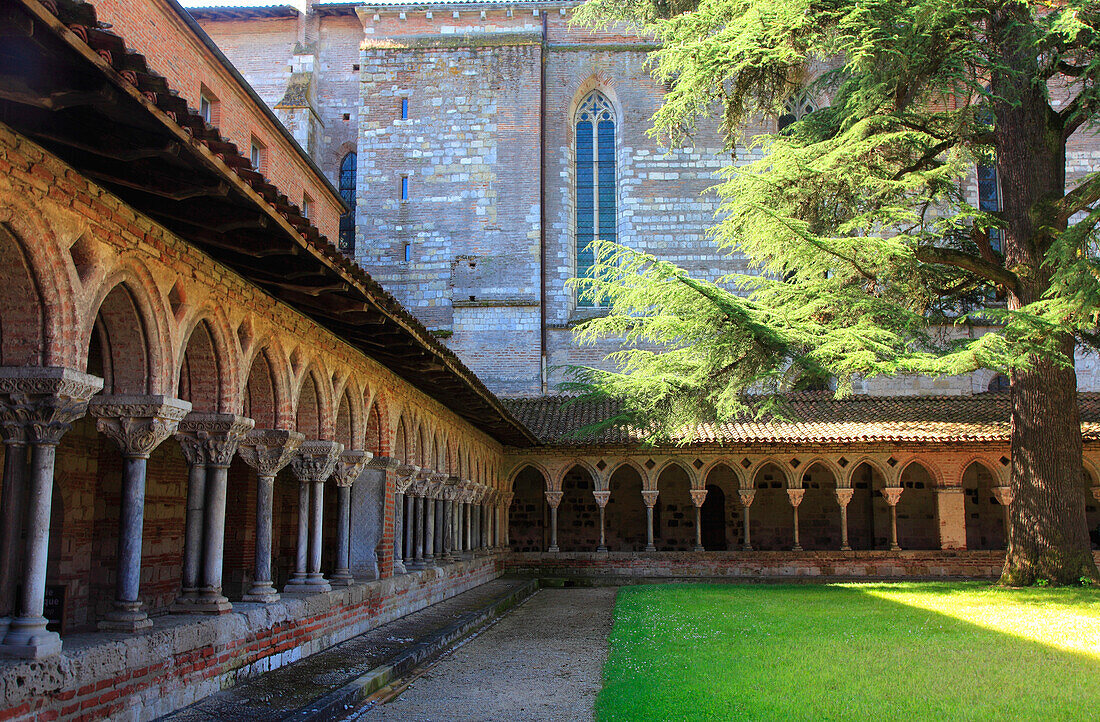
[
  {"x": 1079, "y": 199},
  {"x": 978, "y": 266}
]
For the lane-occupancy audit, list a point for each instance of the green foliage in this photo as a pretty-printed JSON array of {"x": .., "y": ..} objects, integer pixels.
[
  {"x": 865, "y": 248},
  {"x": 903, "y": 651}
]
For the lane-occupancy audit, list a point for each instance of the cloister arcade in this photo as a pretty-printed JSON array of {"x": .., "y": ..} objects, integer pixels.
[
  {"x": 902, "y": 499},
  {"x": 175, "y": 445}
]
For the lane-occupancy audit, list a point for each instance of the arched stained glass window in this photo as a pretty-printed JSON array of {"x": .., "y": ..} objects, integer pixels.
[
  {"x": 796, "y": 108},
  {"x": 347, "y": 192},
  {"x": 595, "y": 174}
]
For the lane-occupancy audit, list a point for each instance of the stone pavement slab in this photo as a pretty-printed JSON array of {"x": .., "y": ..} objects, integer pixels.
[
  {"x": 297, "y": 689},
  {"x": 543, "y": 661}
]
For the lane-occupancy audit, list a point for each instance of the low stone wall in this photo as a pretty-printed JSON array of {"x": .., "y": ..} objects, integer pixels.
[
  {"x": 623, "y": 567},
  {"x": 185, "y": 657}
]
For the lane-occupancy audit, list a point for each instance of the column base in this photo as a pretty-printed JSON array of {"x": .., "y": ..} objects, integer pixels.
[
  {"x": 263, "y": 593},
  {"x": 429, "y": 561},
  {"x": 698, "y": 548},
  {"x": 895, "y": 548},
  {"x": 553, "y": 549},
  {"x": 415, "y": 565},
  {"x": 650, "y": 548},
  {"x": 28, "y": 638},
  {"x": 342, "y": 579},
  {"x": 747, "y": 548},
  {"x": 302, "y": 587},
  {"x": 845, "y": 548},
  {"x": 211, "y": 604},
  {"x": 601, "y": 549},
  {"x": 125, "y": 617},
  {"x": 399, "y": 568},
  {"x": 796, "y": 548}
]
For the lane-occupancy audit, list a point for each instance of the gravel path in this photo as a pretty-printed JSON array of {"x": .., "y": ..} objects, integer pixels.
[{"x": 540, "y": 662}]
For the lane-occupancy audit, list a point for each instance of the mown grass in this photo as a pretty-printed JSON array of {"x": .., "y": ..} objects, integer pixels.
[{"x": 934, "y": 651}]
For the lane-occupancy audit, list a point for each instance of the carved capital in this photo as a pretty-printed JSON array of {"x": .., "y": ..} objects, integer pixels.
[
  {"x": 212, "y": 438},
  {"x": 1003, "y": 495},
  {"x": 602, "y": 497},
  {"x": 553, "y": 498},
  {"x": 406, "y": 475},
  {"x": 843, "y": 496},
  {"x": 316, "y": 460},
  {"x": 892, "y": 495},
  {"x": 452, "y": 481},
  {"x": 40, "y": 404},
  {"x": 438, "y": 477},
  {"x": 649, "y": 496},
  {"x": 350, "y": 465},
  {"x": 1096, "y": 492},
  {"x": 698, "y": 496},
  {"x": 138, "y": 424},
  {"x": 383, "y": 463},
  {"x": 424, "y": 474},
  {"x": 795, "y": 496},
  {"x": 746, "y": 495},
  {"x": 269, "y": 450},
  {"x": 507, "y": 496}
]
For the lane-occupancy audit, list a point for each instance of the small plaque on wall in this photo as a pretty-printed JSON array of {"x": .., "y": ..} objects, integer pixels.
[{"x": 54, "y": 608}]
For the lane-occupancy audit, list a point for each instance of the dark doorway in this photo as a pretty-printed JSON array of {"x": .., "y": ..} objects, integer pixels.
[{"x": 713, "y": 519}]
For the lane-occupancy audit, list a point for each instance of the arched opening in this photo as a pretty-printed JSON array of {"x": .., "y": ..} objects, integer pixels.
[
  {"x": 527, "y": 514},
  {"x": 721, "y": 512},
  {"x": 917, "y": 525},
  {"x": 373, "y": 440},
  {"x": 121, "y": 343},
  {"x": 1092, "y": 510},
  {"x": 819, "y": 514},
  {"x": 401, "y": 443},
  {"x": 344, "y": 433},
  {"x": 199, "y": 372},
  {"x": 22, "y": 316},
  {"x": 868, "y": 515},
  {"x": 309, "y": 409},
  {"x": 625, "y": 513},
  {"x": 674, "y": 512},
  {"x": 578, "y": 514},
  {"x": 259, "y": 393},
  {"x": 985, "y": 520},
  {"x": 771, "y": 518},
  {"x": 594, "y": 179}
]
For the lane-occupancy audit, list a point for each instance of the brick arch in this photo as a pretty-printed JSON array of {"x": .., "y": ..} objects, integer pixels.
[
  {"x": 401, "y": 442},
  {"x": 200, "y": 371},
  {"x": 1092, "y": 470},
  {"x": 721, "y": 461},
  {"x": 128, "y": 322},
  {"x": 46, "y": 274},
  {"x": 759, "y": 466},
  {"x": 933, "y": 470},
  {"x": 629, "y": 463},
  {"x": 870, "y": 461},
  {"x": 686, "y": 468},
  {"x": 998, "y": 472},
  {"x": 225, "y": 358},
  {"x": 309, "y": 407},
  {"x": 827, "y": 464},
  {"x": 423, "y": 448},
  {"x": 580, "y": 88},
  {"x": 263, "y": 391},
  {"x": 344, "y": 429},
  {"x": 278, "y": 366},
  {"x": 324, "y": 400},
  {"x": 556, "y": 479},
  {"x": 374, "y": 432}
]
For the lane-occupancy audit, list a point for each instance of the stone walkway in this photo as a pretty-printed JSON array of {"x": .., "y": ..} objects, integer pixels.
[
  {"x": 284, "y": 691},
  {"x": 542, "y": 661}
]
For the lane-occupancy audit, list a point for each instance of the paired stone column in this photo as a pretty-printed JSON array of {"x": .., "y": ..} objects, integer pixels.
[
  {"x": 138, "y": 424},
  {"x": 553, "y": 498},
  {"x": 209, "y": 442},
  {"x": 698, "y": 496},
  {"x": 448, "y": 495},
  {"x": 486, "y": 521},
  {"x": 746, "y": 496},
  {"x": 892, "y": 495},
  {"x": 505, "y": 524},
  {"x": 795, "y": 496},
  {"x": 267, "y": 451},
  {"x": 44, "y": 403},
  {"x": 649, "y": 496},
  {"x": 1004, "y": 497},
  {"x": 843, "y": 497},
  {"x": 349, "y": 466},
  {"x": 312, "y": 465},
  {"x": 14, "y": 431},
  {"x": 602, "y": 497},
  {"x": 404, "y": 508}
]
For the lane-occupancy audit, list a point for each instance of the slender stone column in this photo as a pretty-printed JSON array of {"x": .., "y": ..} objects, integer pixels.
[
  {"x": 195, "y": 455},
  {"x": 602, "y": 497},
  {"x": 795, "y": 496},
  {"x": 11, "y": 508},
  {"x": 312, "y": 465},
  {"x": 843, "y": 496},
  {"x": 403, "y": 508},
  {"x": 485, "y": 522},
  {"x": 505, "y": 524},
  {"x": 698, "y": 496},
  {"x": 418, "y": 527},
  {"x": 892, "y": 495},
  {"x": 138, "y": 424},
  {"x": 213, "y": 438},
  {"x": 475, "y": 519},
  {"x": 349, "y": 466},
  {"x": 1005, "y": 497},
  {"x": 45, "y": 402},
  {"x": 448, "y": 525},
  {"x": 410, "y": 531},
  {"x": 553, "y": 498},
  {"x": 298, "y": 578},
  {"x": 429, "y": 528},
  {"x": 650, "y": 499},
  {"x": 746, "y": 495},
  {"x": 267, "y": 451},
  {"x": 437, "y": 549}
]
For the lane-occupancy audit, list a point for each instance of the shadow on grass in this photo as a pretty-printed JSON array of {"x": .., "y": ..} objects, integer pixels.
[{"x": 874, "y": 651}]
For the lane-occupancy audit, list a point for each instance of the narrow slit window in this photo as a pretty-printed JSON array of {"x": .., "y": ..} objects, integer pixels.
[
  {"x": 404, "y": 109},
  {"x": 307, "y": 205},
  {"x": 257, "y": 155},
  {"x": 595, "y": 180},
  {"x": 404, "y": 188},
  {"x": 408, "y": 253}
]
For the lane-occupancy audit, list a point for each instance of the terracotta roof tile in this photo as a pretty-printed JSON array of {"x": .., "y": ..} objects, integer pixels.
[{"x": 812, "y": 418}]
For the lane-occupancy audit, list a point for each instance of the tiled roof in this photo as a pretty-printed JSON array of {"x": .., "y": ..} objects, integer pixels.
[{"x": 811, "y": 418}]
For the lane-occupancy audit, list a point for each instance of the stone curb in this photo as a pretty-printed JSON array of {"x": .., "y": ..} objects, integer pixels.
[{"x": 336, "y": 704}]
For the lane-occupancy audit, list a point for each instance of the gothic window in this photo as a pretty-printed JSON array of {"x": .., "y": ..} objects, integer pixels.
[
  {"x": 347, "y": 192},
  {"x": 796, "y": 108},
  {"x": 989, "y": 198},
  {"x": 595, "y": 178}
]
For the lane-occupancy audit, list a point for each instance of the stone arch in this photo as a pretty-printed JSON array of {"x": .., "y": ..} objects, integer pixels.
[
  {"x": 686, "y": 468},
  {"x": 867, "y": 512},
  {"x": 875, "y": 464},
  {"x": 344, "y": 431},
  {"x": 984, "y": 515},
  {"x": 1092, "y": 503},
  {"x": 401, "y": 450},
  {"x": 626, "y": 513},
  {"x": 262, "y": 392},
  {"x": 720, "y": 516},
  {"x": 729, "y": 464},
  {"x": 774, "y": 463},
  {"x": 127, "y": 315},
  {"x": 42, "y": 284},
  {"x": 202, "y": 372},
  {"x": 772, "y": 518},
  {"x": 527, "y": 515},
  {"x": 630, "y": 463},
  {"x": 674, "y": 512},
  {"x": 918, "y": 527},
  {"x": 819, "y": 513},
  {"x": 374, "y": 432},
  {"x": 423, "y": 451},
  {"x": 309, "y": 409},
  {"x": 598, "y": 81},
  {"x": 226, "y": 362},
  {"x": 556, "y": 480},
  {"x": 578, "y": 515}
]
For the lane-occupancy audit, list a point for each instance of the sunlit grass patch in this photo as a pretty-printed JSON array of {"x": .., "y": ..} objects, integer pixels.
[{"x": 853, "y": 651}]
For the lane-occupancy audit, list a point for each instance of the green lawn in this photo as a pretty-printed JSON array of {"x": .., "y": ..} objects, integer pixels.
[{"x": 853, "y": 651}]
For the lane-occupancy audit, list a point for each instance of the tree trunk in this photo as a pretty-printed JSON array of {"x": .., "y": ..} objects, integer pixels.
[{"x": 1049, "y": 538}]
